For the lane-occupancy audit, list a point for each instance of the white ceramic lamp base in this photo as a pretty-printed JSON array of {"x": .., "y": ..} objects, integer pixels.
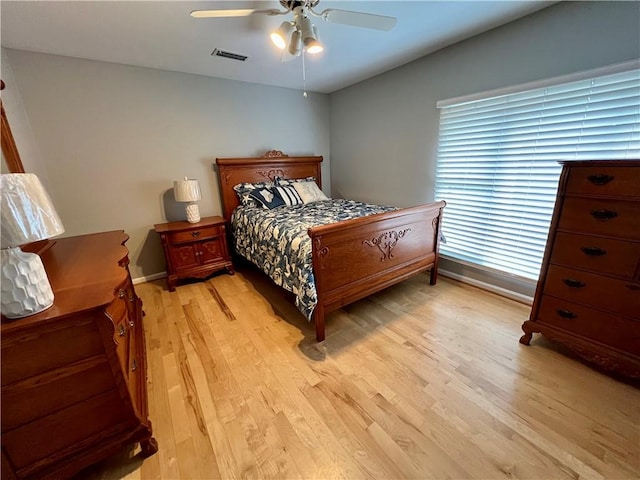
[
  {"x": 25, "y": 287},
  {"x": 193, "y": 213}
]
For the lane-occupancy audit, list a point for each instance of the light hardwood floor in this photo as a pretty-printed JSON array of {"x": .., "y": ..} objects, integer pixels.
[{"x": 414, "y": 382}]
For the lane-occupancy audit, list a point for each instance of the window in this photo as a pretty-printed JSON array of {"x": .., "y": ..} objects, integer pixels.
[{"x": 498, "y": 162}]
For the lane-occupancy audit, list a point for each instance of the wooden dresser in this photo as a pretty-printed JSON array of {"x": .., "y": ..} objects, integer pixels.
[
  {"x": 73, "y": 377},
  {"x": 194, "y": 250},
  {"x": 588, "y": 293}
]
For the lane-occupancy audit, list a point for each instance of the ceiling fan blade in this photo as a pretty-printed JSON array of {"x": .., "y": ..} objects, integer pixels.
[
  {"x": 359, "y": 19},
  {"x": 245, "y": 12}
]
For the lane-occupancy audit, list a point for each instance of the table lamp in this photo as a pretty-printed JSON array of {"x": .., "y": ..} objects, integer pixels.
[
  {"x": 27, "y": 215},
  {"x": 188, "y": 190}
]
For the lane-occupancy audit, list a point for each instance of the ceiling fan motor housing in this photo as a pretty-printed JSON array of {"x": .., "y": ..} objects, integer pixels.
[{"x": 292, "y": 4}]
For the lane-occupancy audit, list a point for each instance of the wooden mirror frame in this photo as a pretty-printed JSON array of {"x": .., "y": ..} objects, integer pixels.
[{"x": 9, "y": 149}]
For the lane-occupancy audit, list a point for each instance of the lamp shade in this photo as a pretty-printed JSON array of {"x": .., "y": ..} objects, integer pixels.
[
  {"x": 186, "y": 190},
  {"x": 28, "y": 215}
]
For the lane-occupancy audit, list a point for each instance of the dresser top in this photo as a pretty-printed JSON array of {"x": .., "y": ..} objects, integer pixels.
[
  {"x": 601, "y": 163},
  {"x": 184, "y": 225},
  {"x": 84, "y": 271}
]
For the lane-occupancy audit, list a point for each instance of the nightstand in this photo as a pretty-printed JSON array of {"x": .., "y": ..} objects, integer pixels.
[{"x": 194, "y": 250}]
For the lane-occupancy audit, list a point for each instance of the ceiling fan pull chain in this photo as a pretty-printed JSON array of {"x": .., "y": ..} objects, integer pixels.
[{"x": 304, "y": 77}]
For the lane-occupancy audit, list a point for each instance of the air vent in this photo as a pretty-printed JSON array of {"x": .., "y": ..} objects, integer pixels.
[{"x": 233, "y": 56}]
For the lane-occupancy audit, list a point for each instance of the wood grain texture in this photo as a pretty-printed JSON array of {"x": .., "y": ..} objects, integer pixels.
[{"x": 412, "y": 382}]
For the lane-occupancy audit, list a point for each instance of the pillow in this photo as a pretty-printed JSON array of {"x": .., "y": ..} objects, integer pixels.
[
  {"x": 243, "y": 190},
  {"x": 279, "y": 181},
  {"x": 289, "y": 195},
  {"x": 267, "y": 197},
  {"x": 309, "y": 192}
]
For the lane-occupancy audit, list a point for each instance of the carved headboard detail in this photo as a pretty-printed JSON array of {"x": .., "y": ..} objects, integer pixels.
[
  {"x": 273, "y": 154},
  {"x": 232, "y": 171}
]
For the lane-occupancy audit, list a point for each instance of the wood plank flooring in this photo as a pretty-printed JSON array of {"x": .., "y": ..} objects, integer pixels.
[{"x": 414, "y": 382}]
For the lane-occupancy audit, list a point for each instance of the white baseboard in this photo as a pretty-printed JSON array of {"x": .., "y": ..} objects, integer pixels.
[
  {"x": 518, "y": 297},
  {"x": 149, "y": 278}
]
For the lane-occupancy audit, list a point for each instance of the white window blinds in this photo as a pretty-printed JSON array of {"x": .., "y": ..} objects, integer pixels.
[{"x": 498, "y": 163}]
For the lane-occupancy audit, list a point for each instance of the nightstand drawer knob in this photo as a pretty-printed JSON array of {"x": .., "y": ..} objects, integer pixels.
[
  {"x": 604, "y": 214},
  {"x": 570, "y": 282},
  {"x": 195, "y": 234},
  {"x": 134, "y": 365},
  {"x": 121, "y": 293},
  {"x": 566, "y": 313},
  {"x": 601, "y": 179},
  {"x": 121, "y": 331},
  {"x": 593, "y": 251}
]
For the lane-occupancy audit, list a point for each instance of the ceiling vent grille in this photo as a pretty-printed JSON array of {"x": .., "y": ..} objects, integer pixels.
[{"x": 233, "y": 56}]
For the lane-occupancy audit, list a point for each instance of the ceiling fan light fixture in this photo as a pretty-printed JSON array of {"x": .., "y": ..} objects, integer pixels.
[
  {"x": 280, "y": 35},
  {"x": 295, "y": 45},
  {"x": 311, "y": 43}
]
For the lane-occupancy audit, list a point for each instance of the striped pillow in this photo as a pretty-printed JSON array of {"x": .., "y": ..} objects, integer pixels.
[{"x": 289, "y": 195}]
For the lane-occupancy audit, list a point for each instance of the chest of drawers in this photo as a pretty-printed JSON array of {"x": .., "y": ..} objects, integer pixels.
[
  {"x": 73, "y": 377},
  {"x": 194, "y": 250},
  {"x": 588, "y": 293}
]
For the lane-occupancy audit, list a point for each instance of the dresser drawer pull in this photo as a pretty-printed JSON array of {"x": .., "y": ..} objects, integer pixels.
[
  {"x": 604, "y": 214},
  {"x": 593, "y": 251},
  {"x": 195, "y": 234},
  {"x": 566, "y": 313},
  {"x": 134, "y": 365},
  {"x": 121, "y": 331},
  {"x": 131, "y": 324},
  {"x": 601, "y": 179},
  {"x": 120, "y": 293},
  {"x": 570, "y": 282}
]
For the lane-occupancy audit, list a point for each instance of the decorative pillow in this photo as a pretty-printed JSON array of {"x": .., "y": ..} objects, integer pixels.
[
  {"x": 289, "y": 195},
  {"x": 267, "y": 197},
  {"x": 243, "y": 190},
  {"x": 309, "y": 192},
  {"x": 279, "y": 181}
]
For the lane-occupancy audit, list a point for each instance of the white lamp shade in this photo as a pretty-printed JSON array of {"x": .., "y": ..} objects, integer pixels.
[
  {"x": 186, "y": 190},
  {"x": 28, "y": 215}
]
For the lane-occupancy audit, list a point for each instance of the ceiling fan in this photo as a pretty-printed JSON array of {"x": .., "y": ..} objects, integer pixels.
[{"x": 301, "y": 32}]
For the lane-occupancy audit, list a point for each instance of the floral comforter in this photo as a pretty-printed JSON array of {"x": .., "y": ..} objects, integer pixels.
[{"x": 277, "y": 241}]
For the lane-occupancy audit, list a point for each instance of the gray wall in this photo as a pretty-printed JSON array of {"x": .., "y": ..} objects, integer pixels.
[
  {"x": 384, "y": 131},
  {"x": 111, "y": 139}
]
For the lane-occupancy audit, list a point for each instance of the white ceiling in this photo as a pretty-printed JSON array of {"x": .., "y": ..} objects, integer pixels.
[{"x": 162, "y": 35}]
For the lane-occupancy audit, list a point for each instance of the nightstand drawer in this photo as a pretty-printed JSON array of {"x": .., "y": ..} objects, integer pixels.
[
  {"x": 604, "y": 180},
  {"x": 606, "y": 328},
  {"x": 617, "y": 296},
  {"x": 195, "y": 234},
  {"x": 614, "y": 218},
  {"x": 601, "y": 255}
]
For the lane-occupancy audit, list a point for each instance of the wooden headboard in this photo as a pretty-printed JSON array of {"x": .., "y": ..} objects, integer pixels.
[{"x": 232, "y": 171}]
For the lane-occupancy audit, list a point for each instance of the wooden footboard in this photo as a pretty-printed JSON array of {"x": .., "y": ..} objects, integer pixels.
[{"x": 355, "y": 258}]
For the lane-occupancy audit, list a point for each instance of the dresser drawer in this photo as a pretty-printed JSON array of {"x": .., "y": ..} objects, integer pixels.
[
  {"x": 603, "y": 255},
  {"x": 47, "y": 393},
  {"x": 605, "y": 180},
  {"x": 617, "y": 296},
  {"x": 610, "y": 329},
  {"x": 196, "y": 234},
  {"x": 34, "y": 353},
  {"x": 616, "y": 218}
]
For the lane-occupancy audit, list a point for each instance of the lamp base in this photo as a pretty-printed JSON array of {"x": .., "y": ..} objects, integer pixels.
[
  {"x": 193, "y": 213},
  {"x": 25, "y": 287}
]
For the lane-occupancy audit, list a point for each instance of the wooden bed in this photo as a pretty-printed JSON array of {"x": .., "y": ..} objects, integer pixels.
[{"x": 354, "y": 258}]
